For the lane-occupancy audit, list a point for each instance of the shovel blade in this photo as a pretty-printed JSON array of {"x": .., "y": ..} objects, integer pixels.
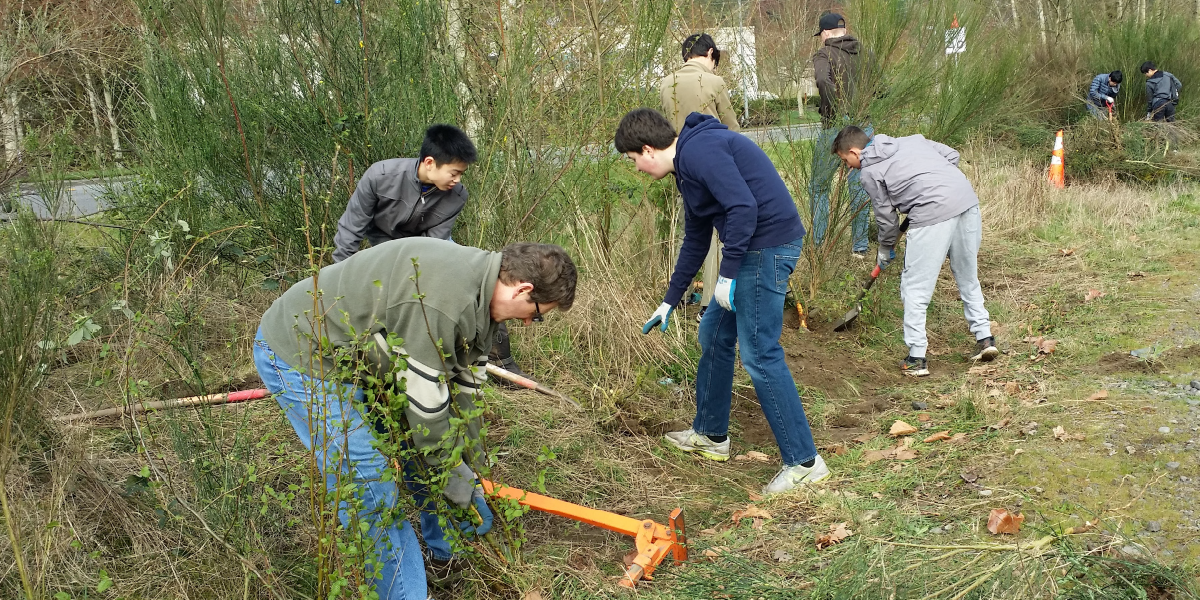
[{"x": 845, "y": 321}]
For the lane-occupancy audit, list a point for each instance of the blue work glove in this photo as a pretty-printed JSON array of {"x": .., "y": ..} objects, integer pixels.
[
  {"x": 723, "y": 293},
  {"x": 659, "y": 318},
  {"x": 885, "y": 257},
  {"x": 485, "y": 513}
]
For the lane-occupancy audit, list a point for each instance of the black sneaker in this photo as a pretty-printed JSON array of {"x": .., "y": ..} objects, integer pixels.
[
  {"x": 700, "y": 315},
  {"x": 916, "y": 367},
  {"x": 986, "y": 350},
  {"x": 443, "y": 572}
]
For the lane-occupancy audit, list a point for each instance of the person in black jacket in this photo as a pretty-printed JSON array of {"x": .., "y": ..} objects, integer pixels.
[
  {"x": 1162, "y": 93},
  {"x": 416, "y": 197},
  {"x": 838, "y": 67}
]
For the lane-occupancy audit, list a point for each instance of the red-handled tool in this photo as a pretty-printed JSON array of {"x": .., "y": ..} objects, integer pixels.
[{"x": 849, "y": 318}]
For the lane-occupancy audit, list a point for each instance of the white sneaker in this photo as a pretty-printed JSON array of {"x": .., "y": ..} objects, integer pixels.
[
  {"x": 791, "y": 477},
  {"x": 690, "y": 441}
]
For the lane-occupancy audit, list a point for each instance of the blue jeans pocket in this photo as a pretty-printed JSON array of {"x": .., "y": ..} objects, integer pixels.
[{"x": 785, "y": 265}]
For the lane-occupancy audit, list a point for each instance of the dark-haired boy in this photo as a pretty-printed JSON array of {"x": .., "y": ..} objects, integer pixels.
[
  {"x": 729, "y": 183},
  {"x": 920, "y": 178},
  {"x": 1102, "y": 94},
  {"x": 321, "y": 342},
  {"x": 415, "y": 197},
  {"x": 1162, "y": 93}
]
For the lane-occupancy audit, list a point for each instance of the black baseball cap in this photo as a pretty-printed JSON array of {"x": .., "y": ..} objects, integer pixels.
[{"x": 830, "y": 21}]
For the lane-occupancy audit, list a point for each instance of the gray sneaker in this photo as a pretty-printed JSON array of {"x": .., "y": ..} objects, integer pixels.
[
  {"x": 690, "y": 441},
  {"x": 986, "y": 350},
  {"x": 789, "y": 478}
]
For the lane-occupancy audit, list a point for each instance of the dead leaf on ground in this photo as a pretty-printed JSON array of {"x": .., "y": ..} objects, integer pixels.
[
  {"x": 753, "y": 455},
  {"x": 871, "y": 456},
  {"x": 1066, "y": 251},
  {"x": 1061, "y": 435},
  {"x": 709, "y": 531},
  {"x": 755, "y": 496},
  {"x": 1032, "y": 402},
  {"x": 981, "y": 370},
  {"x": 924, "y": 417},
  {"x": 837, "y": 533},
  {"x": 715, "y": 552},
  {"x": 900, "y": 428},
  {"x": 957, "y": 438},
  {"x": 753, "y": 512},
  {"x": 627, "y": 559},
  {"x": 1002, "y": 521},
  {"x": 1044, "y": 345},
  {"x": 536, "y": 595},
  {"x": 757, "y": 524},
  {"x": 1001, "y": 424},
  {"x": 866, "y": 437},
  {"x": 905, "y": 454},
  {"x": 1135, "y": 274},
  {"x": 1100, "y": 395},
  {"x": 941, "y": 435},
  {"x": 782, "y": 556},
  {"x": 1093, "y": 295},
  {"x": 968, "y": 476},
  {"x": 835, "y": 449},
  {"x": 1011, "y": 387}
]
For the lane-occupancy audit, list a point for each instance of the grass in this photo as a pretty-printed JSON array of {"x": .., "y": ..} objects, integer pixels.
[{"x": 192, "y": 334}]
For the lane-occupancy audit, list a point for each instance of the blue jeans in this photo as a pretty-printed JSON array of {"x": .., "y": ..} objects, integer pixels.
[
  {"x": 825, "y": 166},
  {"x": 344, "y": 446},
  {"x": 754, "y": 329}
]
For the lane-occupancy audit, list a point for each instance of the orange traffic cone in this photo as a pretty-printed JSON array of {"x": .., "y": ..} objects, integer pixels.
[{"x": 1057, "y": 176}]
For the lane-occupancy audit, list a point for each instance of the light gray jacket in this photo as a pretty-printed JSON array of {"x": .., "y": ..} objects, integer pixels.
[
  {"x": 388, "y": 205},
  {"x": 914, "y": 176}
]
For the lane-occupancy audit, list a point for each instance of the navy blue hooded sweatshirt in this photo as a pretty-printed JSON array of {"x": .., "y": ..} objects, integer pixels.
[{"x": 727, "y": 182}]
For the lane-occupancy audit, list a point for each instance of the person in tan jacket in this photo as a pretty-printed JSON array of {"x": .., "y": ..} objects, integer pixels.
[{"x": 696, "y": 88}]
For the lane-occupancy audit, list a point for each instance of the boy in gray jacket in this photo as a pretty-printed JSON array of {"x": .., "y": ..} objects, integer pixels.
[
  {"x": 415, "y": 197},
  {"x": 920, "y": 178},
  {"x": 1162, "y": 93}
]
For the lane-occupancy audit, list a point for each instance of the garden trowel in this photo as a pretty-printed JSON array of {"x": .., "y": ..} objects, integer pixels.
[{"x": 846, "y": 320}]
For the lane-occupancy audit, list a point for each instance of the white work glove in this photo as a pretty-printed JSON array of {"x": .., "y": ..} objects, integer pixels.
[
  {"x": 723, "y": 293},
  {"x": 460, "y": 486},
  {"x": 659, "y": 318},
  {"x": 885, "y": 257},
  {"x": 1110, "y": 99}
]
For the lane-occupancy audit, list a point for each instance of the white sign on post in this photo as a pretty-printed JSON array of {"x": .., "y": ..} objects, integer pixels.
[{"x": 956, "y": 40}]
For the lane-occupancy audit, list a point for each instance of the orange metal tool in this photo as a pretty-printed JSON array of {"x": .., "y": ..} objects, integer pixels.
[{"x": 653, "y": 540}]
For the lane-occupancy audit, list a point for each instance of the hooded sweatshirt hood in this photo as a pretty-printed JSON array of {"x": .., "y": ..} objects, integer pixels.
[
  {"x": 913, "y": 176},
  {"x": 846, "y": 43}
]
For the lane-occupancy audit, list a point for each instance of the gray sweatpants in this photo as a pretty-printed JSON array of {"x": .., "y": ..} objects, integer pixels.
[{"x": 924, "y": 253}]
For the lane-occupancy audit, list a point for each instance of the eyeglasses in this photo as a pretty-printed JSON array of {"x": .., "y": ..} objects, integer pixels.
[{"x": 537, "y": 313}]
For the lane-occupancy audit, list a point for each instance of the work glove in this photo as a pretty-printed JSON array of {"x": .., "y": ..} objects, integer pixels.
[
  {"x": 723, "y": 293},
  {"x": 659, "y": 318},
  {"x": 1109, "y": 99},
  {"x": 485, "y": 517},
  {"x": 460, "y": 486},
  {"x": 885, "y": 256}
]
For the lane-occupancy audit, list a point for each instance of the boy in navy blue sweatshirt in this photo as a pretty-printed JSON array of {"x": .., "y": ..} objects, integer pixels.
[{"x": 727, "y": 182}]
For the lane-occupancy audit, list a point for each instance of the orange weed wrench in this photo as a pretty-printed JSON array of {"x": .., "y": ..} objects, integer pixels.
[{"x": 653, "y": 540}]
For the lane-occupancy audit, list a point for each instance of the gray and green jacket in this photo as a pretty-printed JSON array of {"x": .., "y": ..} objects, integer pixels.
[
  {"x": 388, "y": 205},
  {"x": 369, "y": 300}
]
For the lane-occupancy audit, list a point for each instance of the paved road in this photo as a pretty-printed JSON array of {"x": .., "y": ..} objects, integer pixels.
[
  {"x": 87, "y": 196},
  {"x": 80, "y": 197}
]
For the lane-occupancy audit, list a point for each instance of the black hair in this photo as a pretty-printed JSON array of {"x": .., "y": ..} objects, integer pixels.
[
  {"x": 643, "y": 127},
  {"x": 447, "y": 144},
  {"x": 1116, "y": 76},
  {"x": 1148, "y": 66},
  {"x": 849, "y": 137},
  {"x": 698, "y": 44}
]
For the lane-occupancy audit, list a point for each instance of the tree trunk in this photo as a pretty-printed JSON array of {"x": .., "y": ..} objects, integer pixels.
[
  {"x": 1142, "y": 12},
  {"x": 8, "y": 127},
  {"x": 1016, "y": 17},
  {"x": 91, "y": 92},
  {"x": 1042, "y": 19},
  {"x": 1121, "y": 9},
  {"x": 112, "y": 118},
  {"x": 454, "y": 14}
]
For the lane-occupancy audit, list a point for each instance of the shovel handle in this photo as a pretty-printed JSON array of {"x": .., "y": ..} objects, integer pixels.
[{"x": 875, "y": 272}]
